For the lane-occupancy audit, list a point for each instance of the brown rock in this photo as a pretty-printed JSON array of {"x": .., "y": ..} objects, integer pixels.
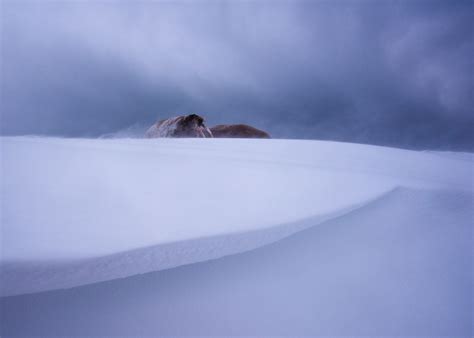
[{"x": 238, "y": 131}]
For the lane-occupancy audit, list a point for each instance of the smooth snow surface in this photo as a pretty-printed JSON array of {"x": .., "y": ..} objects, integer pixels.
[{"x": 393, "y": 242}]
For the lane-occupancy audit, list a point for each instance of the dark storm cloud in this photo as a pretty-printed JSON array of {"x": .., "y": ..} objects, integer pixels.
[{"x": 387, "y": 72}]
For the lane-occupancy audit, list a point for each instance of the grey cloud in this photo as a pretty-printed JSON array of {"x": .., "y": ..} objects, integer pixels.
[{"x": 386, "y": 72}]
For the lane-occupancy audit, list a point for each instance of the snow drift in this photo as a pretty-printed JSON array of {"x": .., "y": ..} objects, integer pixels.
[{"x": 396, "y": 235}]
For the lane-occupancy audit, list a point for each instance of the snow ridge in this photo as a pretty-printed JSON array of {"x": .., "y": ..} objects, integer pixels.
[
  {"x": 97, "y": 210},
  {"x": 30, "y": 277}
]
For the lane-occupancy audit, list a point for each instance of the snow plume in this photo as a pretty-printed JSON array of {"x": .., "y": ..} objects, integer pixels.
[
  {"x": 136, "y": 130},
  {"x": 384, "y": 72}
]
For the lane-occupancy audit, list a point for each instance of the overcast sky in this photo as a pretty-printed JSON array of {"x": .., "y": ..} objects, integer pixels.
[{"x": 393, "y": 73}]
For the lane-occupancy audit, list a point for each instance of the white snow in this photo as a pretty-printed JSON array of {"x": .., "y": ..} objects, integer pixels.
[{"x": 396, "y": 225}]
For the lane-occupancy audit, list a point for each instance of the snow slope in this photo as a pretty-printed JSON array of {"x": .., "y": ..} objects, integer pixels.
[
  {"x": 391, "y": 255},
  {"x": 78, "y": 211},
  {"x": 399, "y": 266}
]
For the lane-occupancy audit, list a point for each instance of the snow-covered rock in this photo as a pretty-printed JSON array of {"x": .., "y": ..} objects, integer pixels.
[{"x": 179, "y": 126}]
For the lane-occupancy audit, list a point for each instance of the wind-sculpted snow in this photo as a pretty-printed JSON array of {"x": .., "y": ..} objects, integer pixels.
[
  {"x": 79, "y": 211},
  {"x": 400, "y": 266}
]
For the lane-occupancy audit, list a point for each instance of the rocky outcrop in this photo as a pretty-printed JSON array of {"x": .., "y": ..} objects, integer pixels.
[
  {"x": 193, "y": 126},
  {"x": 238, "y": 131},
  {"x": 180, "y": 126}
]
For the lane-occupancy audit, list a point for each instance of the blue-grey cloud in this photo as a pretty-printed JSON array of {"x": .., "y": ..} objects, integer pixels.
[{"x": 386, "y": 72}]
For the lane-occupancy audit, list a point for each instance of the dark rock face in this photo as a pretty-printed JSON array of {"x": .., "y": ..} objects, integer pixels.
[
  {"x": 238, "y": 131},
  {"x": 193, "y": 126},
  {"x": 180, "y": 126}
]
